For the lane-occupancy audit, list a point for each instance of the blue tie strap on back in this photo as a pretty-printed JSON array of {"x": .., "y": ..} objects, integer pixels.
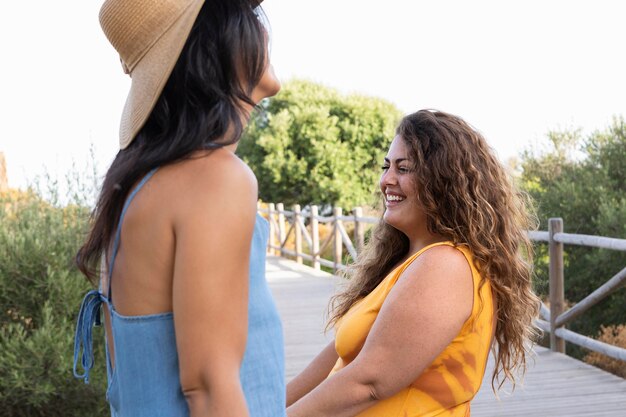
[
  {"x": 88, "y": 317},
  {"x": 89, "y": 314}
]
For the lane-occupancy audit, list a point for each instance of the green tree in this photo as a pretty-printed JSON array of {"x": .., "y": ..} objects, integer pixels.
[
  {"x": 312, "y": 145},
  {"x": 583, "y": 181}
]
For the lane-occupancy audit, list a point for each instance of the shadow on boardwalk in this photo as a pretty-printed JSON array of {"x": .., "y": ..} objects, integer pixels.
[{"x": 555, "y": 385}]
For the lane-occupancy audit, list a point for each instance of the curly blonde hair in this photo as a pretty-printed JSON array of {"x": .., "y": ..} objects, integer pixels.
[{"x": 468, "y": 198}]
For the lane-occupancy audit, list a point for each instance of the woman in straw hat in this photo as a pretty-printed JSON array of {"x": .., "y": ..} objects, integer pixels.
[
  {"x": 442, "y": 278},
  {"x": 191, "y": 328}
]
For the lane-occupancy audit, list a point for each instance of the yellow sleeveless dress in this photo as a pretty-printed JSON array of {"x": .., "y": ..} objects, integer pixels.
[{"x": 447, "y": 386}]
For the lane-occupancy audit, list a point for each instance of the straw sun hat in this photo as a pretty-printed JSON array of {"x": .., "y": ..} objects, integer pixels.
[{"x": 149, "y": 35}]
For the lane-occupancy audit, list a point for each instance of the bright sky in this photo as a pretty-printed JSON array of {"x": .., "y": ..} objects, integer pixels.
[{"x": 514, "y": 69}]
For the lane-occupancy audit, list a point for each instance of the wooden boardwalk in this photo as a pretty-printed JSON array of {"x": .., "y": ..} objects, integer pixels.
[{"x": 555, "y": 385}]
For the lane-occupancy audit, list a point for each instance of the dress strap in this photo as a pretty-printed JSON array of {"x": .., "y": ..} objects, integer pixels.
[
  {"x": 88, "y": 317},
  {"x": 90, "y": 309},
  {"x": 118, "y": 232}
]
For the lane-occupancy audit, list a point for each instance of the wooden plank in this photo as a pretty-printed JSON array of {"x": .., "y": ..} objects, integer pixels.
[
  {"x": 557, "y": 283},
  {"x": 615, "y": 352},
  {"x": 593, "y": 241},
  {"x": 555, "y": 385},
  {"x": 301, "y": 294},
  {"x": 606, "y": 289},
  {"x": 538, "y": 235}
]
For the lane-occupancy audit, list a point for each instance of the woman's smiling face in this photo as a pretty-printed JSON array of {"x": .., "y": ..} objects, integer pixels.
[{"x": 398, "y": 185}]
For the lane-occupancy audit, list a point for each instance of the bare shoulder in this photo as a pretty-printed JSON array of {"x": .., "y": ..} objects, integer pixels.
[
  {"x": 443, "y": 266},
  {"x": 214, "y": 182},
  {"x": 216, "y": 171},
  {"x": 443, "y": 258}
]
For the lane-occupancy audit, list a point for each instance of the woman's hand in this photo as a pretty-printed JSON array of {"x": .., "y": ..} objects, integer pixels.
[{"x": 316, "y": 372}]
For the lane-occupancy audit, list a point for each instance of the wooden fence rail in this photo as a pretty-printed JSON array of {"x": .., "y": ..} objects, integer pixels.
[
  {"x": 285, "y": 223},
  {"x": 555, "y": 319}
]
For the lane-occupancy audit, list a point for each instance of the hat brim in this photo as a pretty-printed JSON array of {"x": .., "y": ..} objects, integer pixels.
[{"x": 151, "y": 73}]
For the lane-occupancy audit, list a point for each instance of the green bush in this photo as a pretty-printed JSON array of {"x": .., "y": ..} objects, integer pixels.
[{"x": 40, "y": 294}]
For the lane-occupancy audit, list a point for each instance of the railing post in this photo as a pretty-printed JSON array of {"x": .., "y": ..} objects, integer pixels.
[
  {"x": 270, "y": 217},
  {"x": 338, "y": 242},
  {"x": 557, "y": 290},
  {"x": 359, "y": 230},
  {"x": 281, "y": 227},
  {"x": 315, "y": 238},
  {"x": 296, "y": 224}
]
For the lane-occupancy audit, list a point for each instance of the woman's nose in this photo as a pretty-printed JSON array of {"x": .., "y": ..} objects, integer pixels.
[{"x": 388, "y": 178}]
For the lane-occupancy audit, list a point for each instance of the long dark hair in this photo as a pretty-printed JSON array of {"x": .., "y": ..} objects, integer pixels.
[
  {"x": 469, "y": 199},
  {"x": 201, "y": 108}
]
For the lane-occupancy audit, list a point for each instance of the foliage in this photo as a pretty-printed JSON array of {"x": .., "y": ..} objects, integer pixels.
[
  {"x": 583, "y": 180},
  {"x": 312, "y": 145},
  {"x": 613, "y": 335},
  {"x": 40, "y": 293}
]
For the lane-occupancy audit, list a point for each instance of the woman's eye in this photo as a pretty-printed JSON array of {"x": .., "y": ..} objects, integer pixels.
[
  {"x": 403, "y": 170},
  {"x": 385, "y": 167}
]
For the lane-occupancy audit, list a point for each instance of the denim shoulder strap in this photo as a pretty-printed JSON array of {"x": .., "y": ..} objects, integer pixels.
[
  {"x": 89, "y": 314},
  {"x": 118, "y": 232}
]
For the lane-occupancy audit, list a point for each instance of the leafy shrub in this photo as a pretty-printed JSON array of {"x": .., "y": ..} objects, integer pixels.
[{"x": 40, "y": 293}]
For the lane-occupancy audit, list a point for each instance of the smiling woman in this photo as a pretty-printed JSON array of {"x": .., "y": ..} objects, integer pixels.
[
  {"x": 441, "y": 280},
  {"x": 399, "y": 188}
]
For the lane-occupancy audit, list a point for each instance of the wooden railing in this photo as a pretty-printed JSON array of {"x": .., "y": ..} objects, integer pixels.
[
  {"x": 285, "y": 223},
  {"x": 556, "y": 317}
]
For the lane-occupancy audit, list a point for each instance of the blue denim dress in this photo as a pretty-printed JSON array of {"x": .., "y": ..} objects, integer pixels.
[{"x": 145, "y": 381}]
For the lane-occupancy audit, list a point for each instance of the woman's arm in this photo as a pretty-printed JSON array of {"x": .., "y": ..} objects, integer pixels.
[
  {"x": 422, "y": 314},
  {"x": 316, "y": 372},
  {"x": 213, "y": 230}
]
